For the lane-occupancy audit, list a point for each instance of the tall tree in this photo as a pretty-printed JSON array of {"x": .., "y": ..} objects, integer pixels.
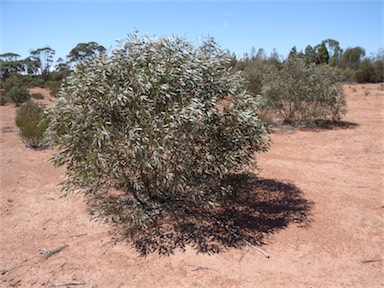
[
  {"x": 84, "y": 51},
  {"x": 45, "y": 56},
  {"x": 293, "y": 52},
  {"x": 352, "y": 57},
  {"x": 9, "y": 64},
  {"x": 309, "y": 56},
  {"x": 31, "y": 65},
  {"x": 62, "y": 66},
  {"x": 334, "y": 51},
  {"x": 321, "y": 54}
]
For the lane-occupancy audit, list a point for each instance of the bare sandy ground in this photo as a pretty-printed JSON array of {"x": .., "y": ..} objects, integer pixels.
[{"x": 320, "y": 217}]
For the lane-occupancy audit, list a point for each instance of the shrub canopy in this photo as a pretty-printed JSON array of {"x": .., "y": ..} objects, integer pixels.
[
  {"x": 160, "y": 122},
  {"x": 18, "y": 95},
  {"x": 301, "y": 92},
  {"x": 32, "y": 122}
]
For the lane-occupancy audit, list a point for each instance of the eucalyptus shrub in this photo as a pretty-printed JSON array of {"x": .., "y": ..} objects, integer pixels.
[
  {"x": 31, "y": 121},
  {"x": 154, "y": 128},
  {"x": 302, "y": 93}
]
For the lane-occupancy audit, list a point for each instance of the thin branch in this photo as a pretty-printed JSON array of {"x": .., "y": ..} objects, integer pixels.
[
  {"x": 196, "y": 268},
  {"x": 5, "y": 271},
  {"x": 242, "y": 256},
  {"x": 371, "y": 261},
  {"x": 78, "y": 235},
  {"x": 67, "y": 283},
  {"x": 253, "y": 246},
  {"x": 48, "y": 253}
]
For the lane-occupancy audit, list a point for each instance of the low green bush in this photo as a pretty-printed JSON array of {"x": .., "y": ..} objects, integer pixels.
[
  {"x": 18, "y": 95},
  {"x": 300, "y": 93},
  {"x": 31, "y": 120},
  {"x": 3, "y": 99}
]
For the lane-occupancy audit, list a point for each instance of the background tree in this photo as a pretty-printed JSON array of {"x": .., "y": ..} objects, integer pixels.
[
  {"x": 160, "y": 121},
  {"x": 352, "y": 57},
  {"x": 334, "y": 51},
  {"x": 9, "y": 64},
  {"x": 321, "y": 54},
  {"x": 44, "y": 56},
  {"x": 293, "y": 53},
  {"x": 31, "y": 65},
  {"x": 309, "y": 55},
  {"x": 84, "y": 51}
]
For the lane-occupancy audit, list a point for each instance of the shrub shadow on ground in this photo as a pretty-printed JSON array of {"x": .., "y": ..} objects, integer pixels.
[
  {"x": 259, "y": 207},
  {"x": 329, "y": 125},
  {"x": 315, "y": 126}
]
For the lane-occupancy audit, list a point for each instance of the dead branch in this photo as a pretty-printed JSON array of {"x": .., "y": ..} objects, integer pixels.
[
  {"x": 67, "y": 284},
  {"x": 196, "y": 267},
  {"x": 78, "y": 235},
  {"x": 253, "y": 246},
  {"x": 5, "y": 271},
  {"x": 242, "y": 256},
  {"x": 48, "y": 253},
  {"x": 371, "y": 261}
]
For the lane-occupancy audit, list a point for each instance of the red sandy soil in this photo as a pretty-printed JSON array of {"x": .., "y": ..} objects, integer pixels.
[{"x": 337, "y": 170}]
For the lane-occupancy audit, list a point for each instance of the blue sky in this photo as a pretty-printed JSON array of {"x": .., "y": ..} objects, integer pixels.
[{"x": 235, "y": 25}]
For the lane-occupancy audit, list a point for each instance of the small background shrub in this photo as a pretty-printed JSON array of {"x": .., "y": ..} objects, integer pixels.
[
  {"x": 3, "y": 99},
  {"x": 18, "y": 95},
  {"x": 32, "y": 123},
  {"x": 302, "y": 94}
]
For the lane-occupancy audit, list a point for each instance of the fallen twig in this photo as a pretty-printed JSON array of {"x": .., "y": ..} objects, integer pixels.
[
  {"x": 67, "y": 283},
  {"x": 5, "y": 271},
  {"x": 371, "y": 261},
  {"x": 48, "y": 253},
  {"x": 196, "y": 267},
  {"x": 78, "y": 235},
  {"x": 242, "y": 256},
  {"x": 253, "y": 246}
]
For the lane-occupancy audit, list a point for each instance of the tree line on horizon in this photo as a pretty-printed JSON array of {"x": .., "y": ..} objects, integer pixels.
[{"x": 40, "y": 68}]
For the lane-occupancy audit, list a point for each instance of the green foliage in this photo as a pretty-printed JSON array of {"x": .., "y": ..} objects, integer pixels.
[
  {"x": 255, "y": 70},
  {"x": 160, "y": 122},
  {"x": 352, "y": 57},
  {"x": 32, "y": 123},
  {"x": 54, "y": 87},
  {"x": 10, "y": 82},
  {"x": 302, "y": 93},
  {"x": 3, "y": 99},
  {"x": 321, "y": 54},
  {"x": 44, "y": 57},
  {"x": 18, "y": 95},
  {"x": 85, "y": 51}
]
